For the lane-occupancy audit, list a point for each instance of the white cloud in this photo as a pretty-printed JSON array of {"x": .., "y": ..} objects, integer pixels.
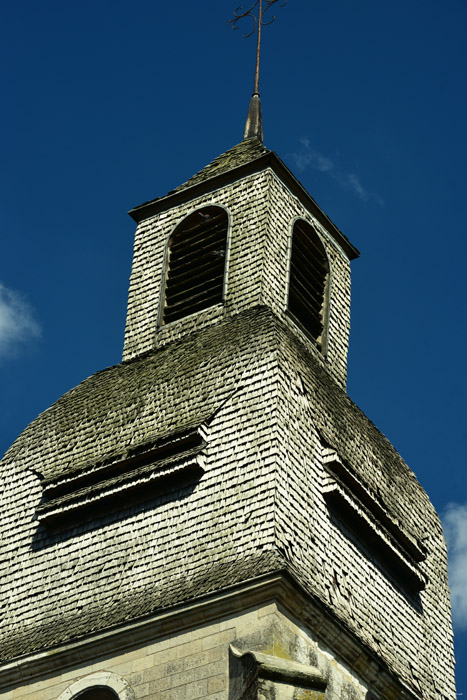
[
  {"x": 17, "y": 323},
  {"x": 307, "y": 157},
  {"x": 455, "y": 528}
]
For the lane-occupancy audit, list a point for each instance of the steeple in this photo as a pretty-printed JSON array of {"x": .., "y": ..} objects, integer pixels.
[
  {"x": 265, "y": 203},
  {"x": 213, "y": 517},
  {"x": 254, "y": 120}
]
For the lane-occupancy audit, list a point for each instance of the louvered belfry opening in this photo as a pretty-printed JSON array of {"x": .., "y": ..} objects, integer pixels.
[
  {"x": 309, "y": 277},
  {"x": 196, "y": 263}
]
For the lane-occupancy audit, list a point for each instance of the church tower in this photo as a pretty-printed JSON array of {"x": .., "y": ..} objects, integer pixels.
[{"x": 214, "y": 517}]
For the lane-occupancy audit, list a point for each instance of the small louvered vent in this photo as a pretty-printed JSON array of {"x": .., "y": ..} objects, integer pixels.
[
  {"x": 309, "y": 275},
  {"x": 196, "y": 262}
]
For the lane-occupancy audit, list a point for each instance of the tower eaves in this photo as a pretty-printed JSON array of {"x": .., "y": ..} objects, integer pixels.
[{"x": 246, "y": 157}]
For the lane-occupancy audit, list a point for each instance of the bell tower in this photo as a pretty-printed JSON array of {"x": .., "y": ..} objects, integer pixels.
[
  {"x": 279, "y": 251},
  {"x": 214, "y": 517}
]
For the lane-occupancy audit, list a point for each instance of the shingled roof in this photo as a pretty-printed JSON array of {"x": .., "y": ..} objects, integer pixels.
[
  {"x": 177, "y": 387},
  {"x": 242, "y": 153},
  {"x": 246, "y": 157},
  {"x": 115, "y": 411},
  {"x": 180, "y": 386}
]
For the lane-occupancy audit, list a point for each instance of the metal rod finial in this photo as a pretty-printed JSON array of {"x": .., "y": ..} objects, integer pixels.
[{"x": 258, "y": 22}]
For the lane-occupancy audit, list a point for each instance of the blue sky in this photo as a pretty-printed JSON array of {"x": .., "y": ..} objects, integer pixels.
[{"x": 109, "y": 104}]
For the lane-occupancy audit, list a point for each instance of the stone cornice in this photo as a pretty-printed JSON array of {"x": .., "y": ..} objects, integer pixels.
[{"x": 279, "y": 587}]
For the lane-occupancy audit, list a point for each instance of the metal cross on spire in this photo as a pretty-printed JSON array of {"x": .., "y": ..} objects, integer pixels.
[{"x": 254, "y": 123}]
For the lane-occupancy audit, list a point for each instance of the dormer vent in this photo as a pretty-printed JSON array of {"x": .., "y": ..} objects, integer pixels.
[
  {"x": 149, "y": 472},
  {"x": 309, "y": 281},
  {"x": 196, "y": 255}
]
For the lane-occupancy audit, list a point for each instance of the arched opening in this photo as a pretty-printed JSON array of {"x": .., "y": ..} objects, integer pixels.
[
  {"x": 195, "y": 264},
  {"x": 309, "y": 281},
  {"x": 97, "y": 694},
  {"x": 102, "y": 685}
]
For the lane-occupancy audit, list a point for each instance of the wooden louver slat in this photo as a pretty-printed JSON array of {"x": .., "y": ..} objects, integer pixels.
[
  {"x": 309, "y": 274},
  {"x": 196, "y": 262}
]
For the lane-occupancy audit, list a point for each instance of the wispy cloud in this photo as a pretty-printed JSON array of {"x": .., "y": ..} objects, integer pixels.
[
  {"x": 307, "y": 157},
  {"x": 455, "y": 528},
  {"x": 17, "y": 322}
]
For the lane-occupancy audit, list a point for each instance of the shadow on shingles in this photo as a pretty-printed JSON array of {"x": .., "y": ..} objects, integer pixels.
[
  {"x": 412, "y": 597},
  {"x": 102, "y": 515}
]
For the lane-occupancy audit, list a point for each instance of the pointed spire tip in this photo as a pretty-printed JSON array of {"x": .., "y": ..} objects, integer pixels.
[{"x": 254, "y": 120}]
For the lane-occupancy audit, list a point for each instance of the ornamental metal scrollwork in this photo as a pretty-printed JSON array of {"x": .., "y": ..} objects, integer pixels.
[
  {"x": 240, "y": 14},
  {"x": 258, "y": 22}
]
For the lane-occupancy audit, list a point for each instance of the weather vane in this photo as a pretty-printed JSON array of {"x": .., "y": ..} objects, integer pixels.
[
  {"x": 258, "y": 22},
  {"x": 254, "y": 122}
]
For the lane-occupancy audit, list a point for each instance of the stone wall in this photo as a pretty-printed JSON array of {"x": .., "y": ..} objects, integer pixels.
[{"x": 197, "y": 663}]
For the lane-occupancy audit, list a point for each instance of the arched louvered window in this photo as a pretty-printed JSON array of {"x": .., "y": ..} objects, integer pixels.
[
  {"x": 195, "y": 263},
  {"x": 309, "y": 280}
]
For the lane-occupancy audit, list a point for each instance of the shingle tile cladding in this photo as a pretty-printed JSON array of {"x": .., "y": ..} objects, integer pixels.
[
  {"x": 270, "y": 408},
  {"x": 134, "y": 403},
  {"x": 266, "y": 405},
  {"x": 242, "y": 153},
  {"x": 255, "y": 188}
]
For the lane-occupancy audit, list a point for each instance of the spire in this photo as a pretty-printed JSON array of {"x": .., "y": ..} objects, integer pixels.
[{"x": 254, "y": 121}]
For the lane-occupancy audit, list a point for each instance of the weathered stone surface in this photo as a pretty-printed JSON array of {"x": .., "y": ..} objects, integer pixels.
[
  {"x": 195, "y": 664},
  {"x": 257, "y": 676}
]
